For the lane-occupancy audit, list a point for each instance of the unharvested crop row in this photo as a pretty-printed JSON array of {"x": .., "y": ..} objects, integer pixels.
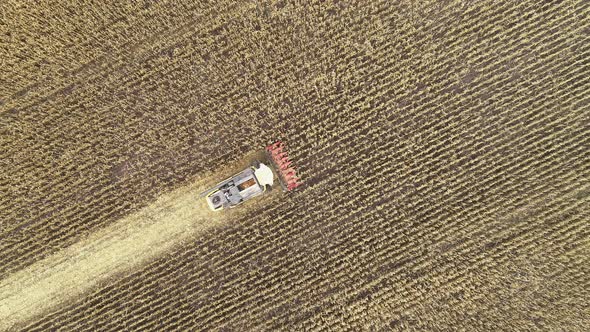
[
  {"x": 462, "y": 257},
  {"x": 365, "y": 312},
  {"x": 120, "y": 35},
  {"x": 377, "y": 115},
  {"x": 449, "y": 189}
]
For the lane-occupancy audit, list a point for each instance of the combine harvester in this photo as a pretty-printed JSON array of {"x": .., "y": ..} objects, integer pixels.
[{"x": 255, "y": 180}]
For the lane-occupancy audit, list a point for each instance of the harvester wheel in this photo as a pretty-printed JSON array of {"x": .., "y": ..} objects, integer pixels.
[
  {"x": 256, "y": 164},
  {"x": 268, "y": 188}
]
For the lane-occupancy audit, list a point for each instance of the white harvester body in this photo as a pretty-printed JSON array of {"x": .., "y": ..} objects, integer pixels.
[{"x": 249, "y": 183}]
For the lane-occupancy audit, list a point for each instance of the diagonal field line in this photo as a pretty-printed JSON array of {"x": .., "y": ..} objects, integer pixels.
[{"x": 129, "y": 243}]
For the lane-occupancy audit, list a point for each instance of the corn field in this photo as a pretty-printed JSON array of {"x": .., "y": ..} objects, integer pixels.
[{"x": 444, "y": 147}]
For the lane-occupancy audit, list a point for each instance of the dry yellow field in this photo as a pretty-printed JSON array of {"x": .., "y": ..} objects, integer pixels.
[{"x": 444, "y": 146}]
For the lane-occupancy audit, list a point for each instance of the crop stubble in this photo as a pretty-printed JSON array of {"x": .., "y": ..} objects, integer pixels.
[{"x": 442, "y": 146}]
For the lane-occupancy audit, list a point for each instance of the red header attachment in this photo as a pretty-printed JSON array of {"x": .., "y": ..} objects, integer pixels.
[{"x": 284, "y": 167}]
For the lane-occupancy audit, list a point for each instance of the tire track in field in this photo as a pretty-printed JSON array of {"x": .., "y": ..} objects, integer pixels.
[{"x": 134, "y": 240}]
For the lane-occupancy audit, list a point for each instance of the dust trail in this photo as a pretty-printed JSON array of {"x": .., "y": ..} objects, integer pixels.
[{"x": 126, "y": 244}]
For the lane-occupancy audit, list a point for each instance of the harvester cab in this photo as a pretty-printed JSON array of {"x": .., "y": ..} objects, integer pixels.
[{"x": 254, "y": 180}]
